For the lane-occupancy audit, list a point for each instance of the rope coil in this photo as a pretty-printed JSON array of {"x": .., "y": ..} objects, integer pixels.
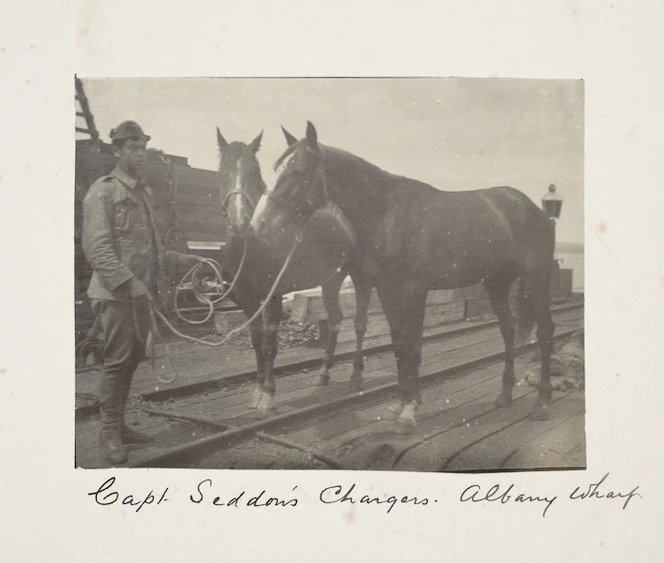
[
  {"x": 156, "y": 313},
  {"x": 203, "y": 297}
]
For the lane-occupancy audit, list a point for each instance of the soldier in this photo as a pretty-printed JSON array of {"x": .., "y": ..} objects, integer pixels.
[{"x": 125, "y": 251}]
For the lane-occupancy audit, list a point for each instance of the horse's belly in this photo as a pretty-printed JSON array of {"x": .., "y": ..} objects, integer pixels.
[{"x": 451, "y": 270}]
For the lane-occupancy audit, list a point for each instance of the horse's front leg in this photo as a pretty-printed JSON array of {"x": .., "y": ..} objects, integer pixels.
[
  {"x": 257, "y": 343},
  {"x": 334, "y": 317},
  {"x": 271, "y": 318},
  {"x": 404, "y": 306}
]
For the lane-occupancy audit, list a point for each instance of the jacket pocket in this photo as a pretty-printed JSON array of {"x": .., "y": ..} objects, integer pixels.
[{"x": 125, "y": 216}]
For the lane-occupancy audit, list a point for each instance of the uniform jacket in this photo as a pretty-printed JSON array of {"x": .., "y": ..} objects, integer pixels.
[{"x": 119, "y": 237}]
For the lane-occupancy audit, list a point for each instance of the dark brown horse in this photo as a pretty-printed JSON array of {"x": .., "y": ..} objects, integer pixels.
[
  {"x": 323, "y": 257},
  {"x": 412, "y": 238}
]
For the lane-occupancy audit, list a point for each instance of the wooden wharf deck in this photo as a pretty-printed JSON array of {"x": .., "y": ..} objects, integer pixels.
[{"x": 458, "y": 430}]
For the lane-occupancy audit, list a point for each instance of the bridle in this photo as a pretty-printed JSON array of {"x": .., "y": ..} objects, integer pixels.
[
  {"x": 241, "y": 193},
  {"x": 237, "y": 192},
  {"x": 301, "y": 212}
]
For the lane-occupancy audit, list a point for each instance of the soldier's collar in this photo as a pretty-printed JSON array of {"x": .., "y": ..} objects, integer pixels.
[{"x": 125, "y": 178}]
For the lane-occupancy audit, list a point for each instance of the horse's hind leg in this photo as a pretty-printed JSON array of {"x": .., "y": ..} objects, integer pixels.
[
  {"x": 498, "y": 291},
  {"x": 334, "y": 316},
  {"x": 362, "y": 298},
  {"x": 545, "y": 330},
  {"x": 272, "y": 317}
]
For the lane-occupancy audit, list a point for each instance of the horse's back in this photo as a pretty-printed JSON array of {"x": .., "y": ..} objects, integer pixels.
[
  {"x": 532, "y": 231},
  {"x": 459, "y": 238}
]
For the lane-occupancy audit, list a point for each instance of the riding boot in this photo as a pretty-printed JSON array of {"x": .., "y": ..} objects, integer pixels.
[
  {"x": 131, "y": 436},
  {"x": 111, "y": 446}
]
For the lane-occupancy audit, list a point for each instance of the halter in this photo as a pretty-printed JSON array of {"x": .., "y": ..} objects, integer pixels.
[
  {"x": 301, "y": 212},
  {"x": 240, "y": 193}
]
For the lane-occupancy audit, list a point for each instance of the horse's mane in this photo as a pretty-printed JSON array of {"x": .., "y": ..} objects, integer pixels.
[
  {"x": 286, "y": 154},
  {"x": 377, "y": 181}
]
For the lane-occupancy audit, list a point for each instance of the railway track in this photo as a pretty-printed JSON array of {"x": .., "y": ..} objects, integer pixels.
[
  {"x": 313, "y": 361},
  {"x": 331, "y": 427}
]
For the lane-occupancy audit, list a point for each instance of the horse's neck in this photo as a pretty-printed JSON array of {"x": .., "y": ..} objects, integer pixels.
[{"x": 359, "y": 188}]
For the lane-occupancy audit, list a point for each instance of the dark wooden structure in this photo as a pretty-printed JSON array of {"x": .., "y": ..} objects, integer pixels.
[{"x": 188, "y": 205}]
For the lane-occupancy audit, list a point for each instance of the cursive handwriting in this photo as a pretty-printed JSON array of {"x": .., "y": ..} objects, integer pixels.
[
  {"x": 110, "y": 493},
  {"x": 336, "y": 493},
  {"x": 494, "y": 494},
  {"x": 258, "y": 501},
  {"x": 104, "y": 496},
  {"x": 593, "y": 491}
]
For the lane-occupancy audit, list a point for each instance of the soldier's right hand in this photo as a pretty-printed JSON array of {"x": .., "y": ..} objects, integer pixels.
[{"x": 138, "y": 290}]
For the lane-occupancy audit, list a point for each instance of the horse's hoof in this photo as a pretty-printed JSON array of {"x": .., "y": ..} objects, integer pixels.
[
  {"x": 323, "y": 380},
  {"x": 393, "y": 410},
  {"x": 266, "y": 406},
  {"x": 540, "y": 413},
  {"x": 405, "y": 422},
  {"x": 356, "y": 383},
  {"x": 403, "y": 427},
  {"x": 504, "y": 400},
  {"x": 255, "y": 399}
]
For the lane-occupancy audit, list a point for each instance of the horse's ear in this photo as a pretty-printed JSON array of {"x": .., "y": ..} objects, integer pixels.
[
  {"x": 256, "y": 143},
  {"x": 312, "y": 136},
  {"x": 290, "y": 139},
  {"x": 221, "y": 141}
]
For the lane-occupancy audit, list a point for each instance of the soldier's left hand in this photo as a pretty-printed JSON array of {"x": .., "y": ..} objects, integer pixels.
[{"x": 193, "y": 259}]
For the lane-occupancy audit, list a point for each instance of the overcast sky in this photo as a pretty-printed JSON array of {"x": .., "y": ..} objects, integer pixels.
[{"x": 456, "y": 134}]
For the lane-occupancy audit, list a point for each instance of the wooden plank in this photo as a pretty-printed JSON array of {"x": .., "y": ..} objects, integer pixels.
[
  {"x": 563, "y": 446},
  {"x": 164, "y": 432},
  {"x": 298, "y": 391},
  {"x": 308, "y": 306},
  {"x": 199, "y": 195},
  {"x": 461, "y": 428},
  {"x": 339, "y": 436},
  {"x": 226, "y": 321},
  {"x": 494, "y": 450},
  {"x": 477, "y": 307}
]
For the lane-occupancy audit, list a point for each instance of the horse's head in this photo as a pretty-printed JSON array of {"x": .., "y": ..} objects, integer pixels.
[
  {"x": 241, "y": 183},
  {"x": 300, "y": 188}
]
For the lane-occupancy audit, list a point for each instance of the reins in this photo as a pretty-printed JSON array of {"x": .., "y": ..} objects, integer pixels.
[{"x": 156, "y": 313}]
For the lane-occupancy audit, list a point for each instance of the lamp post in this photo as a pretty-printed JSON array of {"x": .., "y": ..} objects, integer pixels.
[{"x": 552, "y": 204}]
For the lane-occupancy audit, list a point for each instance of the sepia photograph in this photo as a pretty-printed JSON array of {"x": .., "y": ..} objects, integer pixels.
[
  {"x": 320, "y": 289},
  {"x": 379, "y": 274}
]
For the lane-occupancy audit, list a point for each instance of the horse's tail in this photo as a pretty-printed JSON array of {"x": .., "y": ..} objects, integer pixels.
[{"x": 525, "y": 313}]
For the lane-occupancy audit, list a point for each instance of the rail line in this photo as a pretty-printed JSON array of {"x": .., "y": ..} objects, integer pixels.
[
  {"x": 226, "y": 380},
  {"x": 304, "y": 412}
]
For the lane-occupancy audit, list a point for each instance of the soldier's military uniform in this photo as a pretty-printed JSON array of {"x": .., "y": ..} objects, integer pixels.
[{"x": 123, "y": 247}]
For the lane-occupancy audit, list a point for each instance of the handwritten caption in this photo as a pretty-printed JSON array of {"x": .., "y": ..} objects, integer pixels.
[{"x": 205, "y": 493}]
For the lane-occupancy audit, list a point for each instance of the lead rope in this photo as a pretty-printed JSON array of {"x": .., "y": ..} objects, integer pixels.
[
  {"x": 157, "y": 334},
  {"x": 210, "y": 302},
  {"x": 154, "y": 313}
]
